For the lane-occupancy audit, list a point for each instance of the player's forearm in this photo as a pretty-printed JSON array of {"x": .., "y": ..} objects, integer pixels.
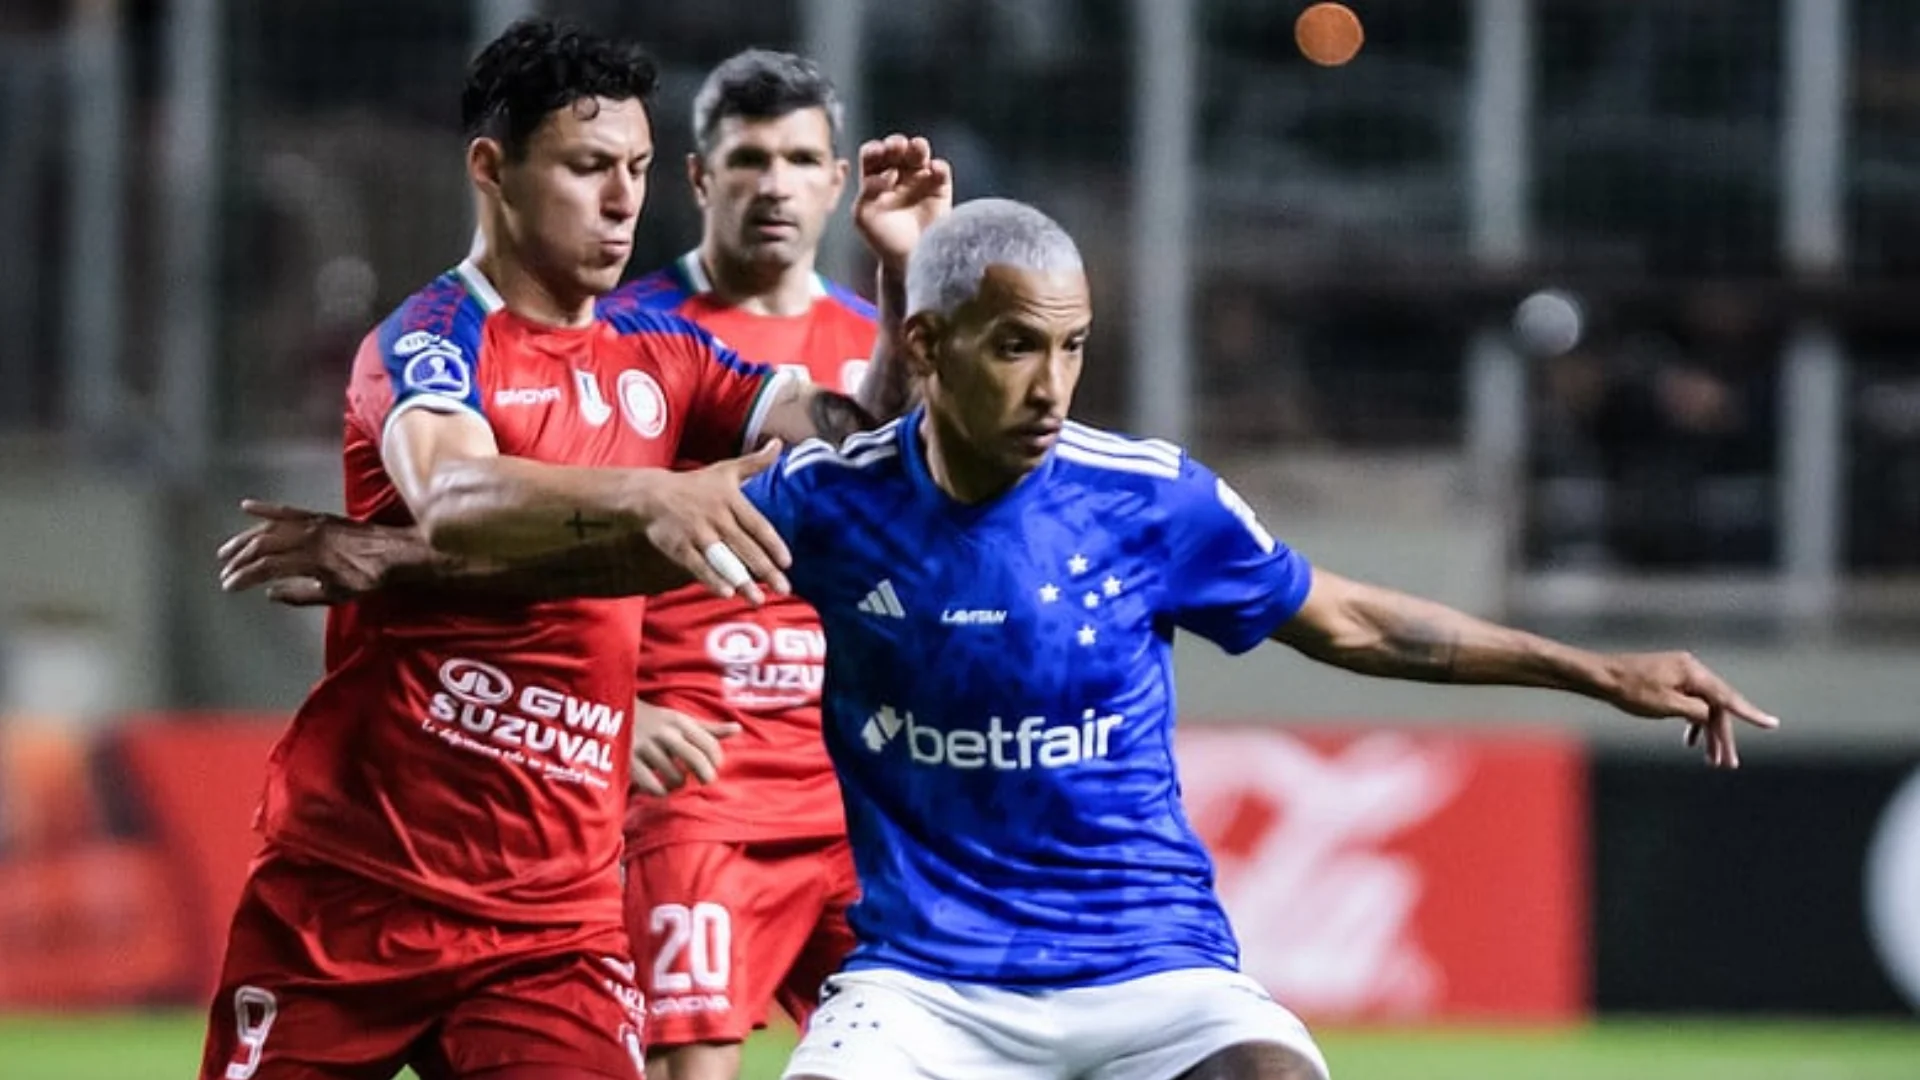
[
  {"x": 507, "y": 508},
  {"x": 887, "y": 390},
  {"x": 1394, "y": 635},
  {"x": 623, "y": 566}
]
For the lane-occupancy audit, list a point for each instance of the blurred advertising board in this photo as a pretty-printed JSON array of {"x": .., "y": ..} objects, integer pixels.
[
  {"x": 1382, "y": 875},
  {"x": 1373, "y": 874},
  {"x": 121, "y": 857},
  {"x": 1791, "y": 886}
]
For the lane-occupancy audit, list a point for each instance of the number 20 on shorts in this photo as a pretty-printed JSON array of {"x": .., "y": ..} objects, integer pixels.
[{"x": 702, "y": 933}]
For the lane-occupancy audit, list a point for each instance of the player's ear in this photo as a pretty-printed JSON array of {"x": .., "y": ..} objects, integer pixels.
[
  {"x": 697, "y": 178},
  {"x": 921, "y": 334},
  {"x": 486, "y": 160},
  {"x": 840, "y": 170}
]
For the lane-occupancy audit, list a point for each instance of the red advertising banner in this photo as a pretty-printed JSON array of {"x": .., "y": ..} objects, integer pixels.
[
  {"x": 121, "y": 858},
  {"x": 1393, "y": 876},
  {"x": 1371, "y": 874}
]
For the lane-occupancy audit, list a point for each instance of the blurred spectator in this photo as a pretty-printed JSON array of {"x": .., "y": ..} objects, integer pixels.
[{"x": 1657, "y": 451}]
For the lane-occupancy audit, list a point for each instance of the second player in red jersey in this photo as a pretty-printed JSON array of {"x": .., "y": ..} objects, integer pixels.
[{"x": 736, "y": 889}]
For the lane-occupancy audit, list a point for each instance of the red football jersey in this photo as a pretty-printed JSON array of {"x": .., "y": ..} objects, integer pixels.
[
  {"x": 471, "y": 750},
  {"x": 722, "y": 660}
]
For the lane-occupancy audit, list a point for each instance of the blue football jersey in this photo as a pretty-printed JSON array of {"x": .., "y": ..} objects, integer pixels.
[{"x": 999, "y": 699}]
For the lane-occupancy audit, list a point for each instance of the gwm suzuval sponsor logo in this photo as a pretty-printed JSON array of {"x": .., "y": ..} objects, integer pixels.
[
  {"x": 763, "y": 668},
  {"x": 479, "y": 707}
]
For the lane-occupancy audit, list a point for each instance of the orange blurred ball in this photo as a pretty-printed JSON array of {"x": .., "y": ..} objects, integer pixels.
[{"x": 1328, "y": 34}]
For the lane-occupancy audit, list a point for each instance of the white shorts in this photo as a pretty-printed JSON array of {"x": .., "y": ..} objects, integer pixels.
[{"x": 888, "y": 1025}]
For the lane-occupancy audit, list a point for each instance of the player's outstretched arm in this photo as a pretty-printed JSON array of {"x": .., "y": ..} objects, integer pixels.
[
  {"x": 475, "y": 503},
  {"x": 1377, "y": 631},
  {"x": 904, "y": 189},
  {"x": 304, "y": 557}
]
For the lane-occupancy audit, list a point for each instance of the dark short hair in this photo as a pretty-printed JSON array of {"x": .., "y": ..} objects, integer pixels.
[
  {"x": 537, "y": 66},
  {"x": 759, "y": 84}
]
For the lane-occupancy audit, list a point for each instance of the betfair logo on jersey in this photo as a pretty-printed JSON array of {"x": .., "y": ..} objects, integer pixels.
[
  {"x": 479, "y": 707},
  {"x": 1033, "y": 743}
]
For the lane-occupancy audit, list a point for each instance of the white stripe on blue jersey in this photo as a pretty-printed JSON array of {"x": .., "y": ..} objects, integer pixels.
[
  {"x": 1083, "y": 445},
  {"x": 857, "y": 451},
  {"x": 1093, "y": 438}
]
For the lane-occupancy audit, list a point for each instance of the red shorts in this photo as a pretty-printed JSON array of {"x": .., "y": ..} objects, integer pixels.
[
  {"x": 723, "y": 930},
  {"x": 331, "y": 975}
]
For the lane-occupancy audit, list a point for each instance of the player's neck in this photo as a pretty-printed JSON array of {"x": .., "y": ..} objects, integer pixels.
[
  {"x": 529, "y": 297},
  {"x": 758, "y": 288},
  {"x": 964, "y": 476}
]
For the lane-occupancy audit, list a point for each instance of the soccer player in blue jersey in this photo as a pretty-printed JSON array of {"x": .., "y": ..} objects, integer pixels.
[{"x": 1000, "y": 588}]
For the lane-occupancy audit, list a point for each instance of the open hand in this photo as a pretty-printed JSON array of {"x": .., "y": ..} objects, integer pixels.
[
  {"x": 1675, "y": 684},
  {"x": 305, "y": 557},
  {"x": 667, "y": 745},
  {"x": 689, "y": 513},
  {"x": 904, "y": 189}
]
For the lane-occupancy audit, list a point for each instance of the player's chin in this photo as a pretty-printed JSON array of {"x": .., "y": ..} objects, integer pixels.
[
  {"x": 600, "y": 276},
  {"x": 1027, "y": 449},
  {"x": 776, "y": 253}
]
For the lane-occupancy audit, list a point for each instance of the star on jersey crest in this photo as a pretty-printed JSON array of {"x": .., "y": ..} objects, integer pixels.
[
  {"x": 1077, "y": 565},
  {"x": 1049, "y": 593},
  {"x": 1111, "y": 586},
  {"x": 1087, "y": 635}
]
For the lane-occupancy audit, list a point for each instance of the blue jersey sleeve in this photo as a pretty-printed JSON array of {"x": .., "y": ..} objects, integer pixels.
[
  {"x": 429, "y": 351},
  {"x": 1230, "y": 581},
  {"x": 777, "y": 493}
]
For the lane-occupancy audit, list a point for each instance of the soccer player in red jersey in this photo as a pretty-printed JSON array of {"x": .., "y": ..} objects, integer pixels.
[
  {"x": 737, "y": 890},
  {"x": 439, "y": 882}
]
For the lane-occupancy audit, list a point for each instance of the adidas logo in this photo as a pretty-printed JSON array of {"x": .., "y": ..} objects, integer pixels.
[{"x": 884, "y": 602}]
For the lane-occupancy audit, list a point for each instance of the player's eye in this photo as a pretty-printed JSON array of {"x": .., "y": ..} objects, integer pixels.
[{"x": 1013, "y": 346}]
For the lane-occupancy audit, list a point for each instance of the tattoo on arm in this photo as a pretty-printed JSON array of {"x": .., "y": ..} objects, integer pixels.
[
  {"x": 1376, "y": 631},
  {"x": 582, "y": 525},
  {"x": 836, "y": 416},
  {"x": 1416, "y": 648}
]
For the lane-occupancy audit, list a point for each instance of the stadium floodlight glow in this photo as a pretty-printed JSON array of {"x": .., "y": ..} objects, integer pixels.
[
  {"x": 1549, "y": 323},
  {"x": 1893, "y": 889}
]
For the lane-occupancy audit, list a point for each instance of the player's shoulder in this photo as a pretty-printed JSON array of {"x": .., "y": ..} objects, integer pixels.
[
  {"x": 845, "y": 300},
  {"x": 649, "y": 327},
  {"x": 630, "y": 316},
  {"x": 664, "y": 290},
  {"x": 1109, "y": 458},
  {"x": 431, "y": 343},
  {"x": 862, "y": 458},
  {"x": 444, "y": 316}
]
